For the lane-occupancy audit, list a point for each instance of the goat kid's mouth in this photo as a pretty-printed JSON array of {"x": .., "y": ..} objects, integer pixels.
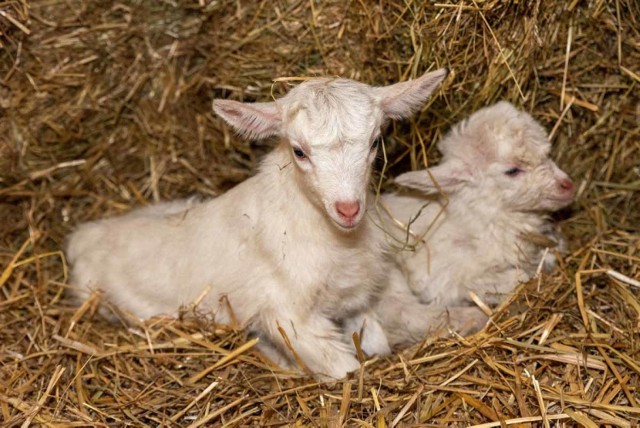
[
  {"x": 347, "y": 225},
  {"x": 560, "y": 201}
]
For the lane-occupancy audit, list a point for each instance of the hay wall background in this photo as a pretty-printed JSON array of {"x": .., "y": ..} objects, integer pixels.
[{"x": 105, "y": 106}]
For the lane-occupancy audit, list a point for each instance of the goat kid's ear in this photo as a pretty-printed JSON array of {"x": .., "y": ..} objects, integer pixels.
[
  {"x": 403, "y": 99},
  {"x": 252, "y": 120},
  {"x": 448, "y": 177}
]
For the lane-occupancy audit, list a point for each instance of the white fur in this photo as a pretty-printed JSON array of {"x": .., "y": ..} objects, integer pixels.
[
  {"x": 406, "y": 320},
  {"x": 476, "y": 235},
  {"x": 275, "y": 246}
]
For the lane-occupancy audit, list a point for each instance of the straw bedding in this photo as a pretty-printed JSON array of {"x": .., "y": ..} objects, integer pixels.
[{"x": 105, "y": 106}]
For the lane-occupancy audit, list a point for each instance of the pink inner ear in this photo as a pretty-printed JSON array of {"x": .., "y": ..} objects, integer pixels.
[
  {"x": 231, "y": 112},
  {"x": 254, "y": 120}
]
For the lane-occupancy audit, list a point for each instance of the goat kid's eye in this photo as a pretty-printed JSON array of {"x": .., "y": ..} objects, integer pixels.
[
  {"x": 375, "y": 144},
  {"x": 512, "y": 172},
  {"x": 297, "y": 151}
]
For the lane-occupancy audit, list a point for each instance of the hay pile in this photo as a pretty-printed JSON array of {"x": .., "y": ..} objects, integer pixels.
[{"x": 106, "y": 105}]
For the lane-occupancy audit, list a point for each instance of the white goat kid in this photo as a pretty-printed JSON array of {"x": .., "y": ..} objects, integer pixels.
[
  {"x": 480, "y": 235},
  {"x": 290, "y": 248}
]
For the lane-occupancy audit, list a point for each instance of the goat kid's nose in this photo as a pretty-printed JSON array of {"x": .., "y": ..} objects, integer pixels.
[
  {"x": 348, "y": 209},
  {"x": 566, "y": 184}
]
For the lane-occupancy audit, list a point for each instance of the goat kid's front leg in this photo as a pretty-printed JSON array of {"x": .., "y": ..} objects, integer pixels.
[
  {"x": 499, "y": 285},
  {"x": 373, "y": 340},
  {"x": 406, "y": 320},
  {"x": 314, "y": 342},
  {"x": 464, "y": 320}
]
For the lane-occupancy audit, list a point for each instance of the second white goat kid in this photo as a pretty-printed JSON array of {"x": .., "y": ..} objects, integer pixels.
[
  {"x": 478, "y": 220},
  {"x": 289, "y": 249}
]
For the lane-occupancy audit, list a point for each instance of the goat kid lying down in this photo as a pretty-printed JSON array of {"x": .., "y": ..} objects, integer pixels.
[
  {"x": 290, "y": 249},
  {"x": 478, "y": 221}
]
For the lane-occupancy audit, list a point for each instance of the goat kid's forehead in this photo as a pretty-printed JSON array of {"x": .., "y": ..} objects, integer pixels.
[
  {"x": 525, "y": 156},
  {"x": 523, "y": 148},
  {"x": 523, "y": 132},
  {"x": 330, "y": 112},
  {"x": 498, "y": 136}
]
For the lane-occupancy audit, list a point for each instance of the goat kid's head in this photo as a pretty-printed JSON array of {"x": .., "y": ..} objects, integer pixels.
[
  {"x": 332, "y": 128},
  {"x": 502, "y": 155}
]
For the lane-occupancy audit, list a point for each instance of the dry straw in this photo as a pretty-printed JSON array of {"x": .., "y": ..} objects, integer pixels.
[{"x": 106, "y": 105}]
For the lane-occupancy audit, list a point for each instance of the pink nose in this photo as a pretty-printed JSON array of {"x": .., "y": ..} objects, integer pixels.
[
  {"x": 566, "y": 184},
  {"x": 348, "y": 209}
]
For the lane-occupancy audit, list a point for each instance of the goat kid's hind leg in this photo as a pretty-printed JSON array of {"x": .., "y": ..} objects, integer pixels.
[{"x": 316, "y": 341}]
